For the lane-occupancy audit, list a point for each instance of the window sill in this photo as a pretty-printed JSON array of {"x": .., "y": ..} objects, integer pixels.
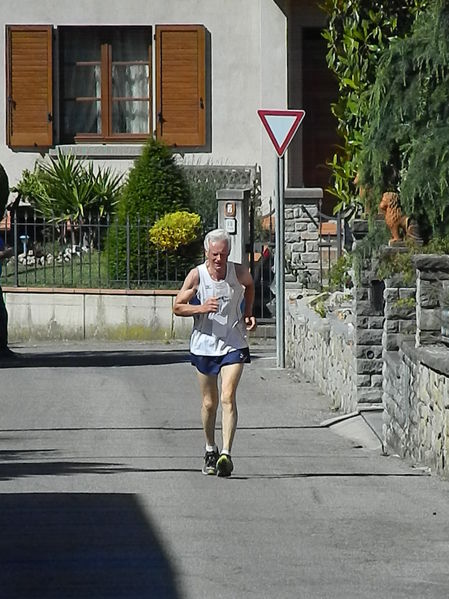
[{"x": 104, "y": 150}]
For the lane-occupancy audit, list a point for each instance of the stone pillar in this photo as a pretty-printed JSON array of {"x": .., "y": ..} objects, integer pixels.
[
  {"x": 431, "y": 271},
  {"x": 368, "y": 322},
  {"x": 400, "y": 307},
  {"x": 302, "y": 237},
  {"x": 399, "y": 327}
]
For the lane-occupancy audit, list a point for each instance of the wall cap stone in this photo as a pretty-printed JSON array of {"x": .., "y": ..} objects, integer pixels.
[
  {"x": 302, "y": 193},
  {"x": 431, "y": 262},
  {"x": 434, "y": 356}
]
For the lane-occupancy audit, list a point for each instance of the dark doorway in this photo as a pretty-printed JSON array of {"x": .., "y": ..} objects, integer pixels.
[{"x": 319, "y": 128}]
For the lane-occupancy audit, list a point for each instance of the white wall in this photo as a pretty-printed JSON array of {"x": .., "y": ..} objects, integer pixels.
[
  {"x": 248, "y": 57},
  {"x": 78, "y": 314}
]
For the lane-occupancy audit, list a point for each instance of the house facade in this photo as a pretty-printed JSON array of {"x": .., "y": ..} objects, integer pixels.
[{"x": 97, "y": 77}]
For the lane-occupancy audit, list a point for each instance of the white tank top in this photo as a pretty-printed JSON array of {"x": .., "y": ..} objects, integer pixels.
[{"x": 217, "y": 334}]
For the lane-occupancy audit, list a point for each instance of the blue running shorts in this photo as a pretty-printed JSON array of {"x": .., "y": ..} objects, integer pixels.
[{"x": 211, "y": 365}]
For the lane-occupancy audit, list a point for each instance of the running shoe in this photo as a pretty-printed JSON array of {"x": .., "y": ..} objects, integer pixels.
[
  {"x": 210, "y": 462},
  {"x": 224, "y": 465}
]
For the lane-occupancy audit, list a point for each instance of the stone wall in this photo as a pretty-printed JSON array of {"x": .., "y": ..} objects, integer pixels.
[
  {"x": 416, "y": 424},
  {"x": 416, "y": 368},
  {"x": 392, "y": 351},
  {"x": 323, "y": 349}
]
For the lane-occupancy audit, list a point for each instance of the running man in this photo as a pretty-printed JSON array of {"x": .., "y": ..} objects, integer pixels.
[{"x": 219, "y": 295}]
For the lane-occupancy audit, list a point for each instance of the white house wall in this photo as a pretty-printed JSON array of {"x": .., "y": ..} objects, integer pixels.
[{"x": 248, "y": 64}]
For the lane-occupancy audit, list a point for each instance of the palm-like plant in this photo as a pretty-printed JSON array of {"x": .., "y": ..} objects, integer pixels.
[{"x": 63, "y": 188}]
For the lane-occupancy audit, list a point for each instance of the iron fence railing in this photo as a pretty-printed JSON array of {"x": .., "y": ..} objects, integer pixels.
[{"x": 90, "y": 252}]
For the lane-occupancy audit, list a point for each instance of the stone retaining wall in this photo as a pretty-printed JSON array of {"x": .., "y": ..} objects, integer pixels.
[
  {"x": 416, "y": 423},
  {"x": 416, "y": 368},
  {"x": 323, "y": 349},
  {"x": 414, "y": 361}
]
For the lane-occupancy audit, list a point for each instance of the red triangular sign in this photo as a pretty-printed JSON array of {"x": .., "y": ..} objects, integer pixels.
[{"x": 281, "y": 126}]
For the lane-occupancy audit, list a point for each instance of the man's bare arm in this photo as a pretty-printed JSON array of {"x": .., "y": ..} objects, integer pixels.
[
  {"x": 182, "y": 307},
  {"x": 245, "y": 278}
]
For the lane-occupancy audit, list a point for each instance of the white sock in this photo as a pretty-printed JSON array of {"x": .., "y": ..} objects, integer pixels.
[
  {"x": 211, "y": 447},
  {"x": 226, "y": 452}
]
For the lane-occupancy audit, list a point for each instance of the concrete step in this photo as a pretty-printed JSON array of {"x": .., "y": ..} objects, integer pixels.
[{"x": 264, "y": 330}]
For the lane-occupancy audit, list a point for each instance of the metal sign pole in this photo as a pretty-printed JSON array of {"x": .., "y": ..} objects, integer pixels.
[
  {"x": 277, "y": 269},
  {"x": 279, "y": 265}
]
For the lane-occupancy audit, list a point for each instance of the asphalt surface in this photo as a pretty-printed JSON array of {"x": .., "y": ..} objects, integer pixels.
[{"x": 101, "y": 494}]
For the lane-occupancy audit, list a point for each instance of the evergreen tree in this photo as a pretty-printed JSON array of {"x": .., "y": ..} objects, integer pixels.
[
  {"x": 357, "y": 34},
  {"x": 405, "y": 146},
  {"x": 156, "y": 185}
]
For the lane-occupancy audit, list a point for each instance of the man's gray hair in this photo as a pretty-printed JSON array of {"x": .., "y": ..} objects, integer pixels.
[{"x": 217, "y": 235}]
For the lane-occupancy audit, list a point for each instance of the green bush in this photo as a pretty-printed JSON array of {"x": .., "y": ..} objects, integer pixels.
[
  {"x": 156, "y": 185},
  {"x": 406, "y": 141},
  {"x": 64, "y": 188},
  {"x": 204, "y": 200},
  {"x": 340, "y": 273},
  {"x": 175, "y": 229},
  {"x": 357, "y": 34}
]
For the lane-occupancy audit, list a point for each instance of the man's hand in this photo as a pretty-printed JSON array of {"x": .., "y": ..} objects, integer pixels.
[
  {"x": 250, "y": 322},
  {"x": 210, "y": 305}
]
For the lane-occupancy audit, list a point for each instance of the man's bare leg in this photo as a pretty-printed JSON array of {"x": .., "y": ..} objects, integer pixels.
[
  {"x": 209, "y": 394},
  {"x": 230, "y": 377}
]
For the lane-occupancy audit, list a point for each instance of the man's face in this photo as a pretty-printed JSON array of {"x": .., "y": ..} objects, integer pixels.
[{"x": 218, "y": 254}]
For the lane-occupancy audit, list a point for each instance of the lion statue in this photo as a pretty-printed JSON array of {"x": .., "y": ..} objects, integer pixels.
[{"x": 401, "y": 226}]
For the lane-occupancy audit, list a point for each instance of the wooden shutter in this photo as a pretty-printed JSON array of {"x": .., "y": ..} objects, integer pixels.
[
  {"x": 29, "y": 86},
  {"x": 180, "y": 84}
]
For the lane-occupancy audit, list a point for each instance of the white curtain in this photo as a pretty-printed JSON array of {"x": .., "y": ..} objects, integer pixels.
[{"x": 130, "y": 74}]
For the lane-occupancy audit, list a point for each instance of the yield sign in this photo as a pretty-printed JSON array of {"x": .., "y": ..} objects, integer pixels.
[{"x": 281, "y": 126}]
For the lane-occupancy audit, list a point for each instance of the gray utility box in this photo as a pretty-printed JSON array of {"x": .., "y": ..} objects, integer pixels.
[{"x": 233, "y": 217}]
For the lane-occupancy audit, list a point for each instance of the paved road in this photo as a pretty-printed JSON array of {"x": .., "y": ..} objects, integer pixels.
[{"x": 101, "y": 494}]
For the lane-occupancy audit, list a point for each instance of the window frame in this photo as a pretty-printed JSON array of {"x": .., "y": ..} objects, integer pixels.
[{"x": 106, "y": 99}]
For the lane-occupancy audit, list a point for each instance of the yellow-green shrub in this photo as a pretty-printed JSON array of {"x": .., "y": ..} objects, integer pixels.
[{"x": 175, "y": 229}]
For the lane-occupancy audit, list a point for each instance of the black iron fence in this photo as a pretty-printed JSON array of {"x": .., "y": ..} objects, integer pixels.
[{"x": 89, "y": 252}]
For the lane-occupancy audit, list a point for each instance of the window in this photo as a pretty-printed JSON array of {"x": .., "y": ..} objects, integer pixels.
[{"x": 104, "y": 84}]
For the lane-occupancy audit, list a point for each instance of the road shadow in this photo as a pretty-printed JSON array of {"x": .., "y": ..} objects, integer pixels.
[
  {"x": 20, "y": 463},
  {"x": 12, "y": 470},
  {"x": 83, "y": 359},
  {"x": 81, "y": 546},
  {"x": 99, "y": 358}
]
